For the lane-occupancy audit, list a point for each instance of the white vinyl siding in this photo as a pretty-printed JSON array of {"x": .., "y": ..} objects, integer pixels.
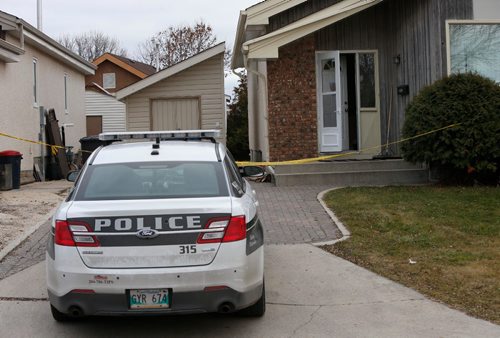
[
  {"x": 111, "y": 110},
  {"x": 204, "y": 80}
]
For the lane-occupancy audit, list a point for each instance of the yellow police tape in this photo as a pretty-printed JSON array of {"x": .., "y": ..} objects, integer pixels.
[
  {"x": 330, "y": 157},
  {"x": 55, "y": 149}
]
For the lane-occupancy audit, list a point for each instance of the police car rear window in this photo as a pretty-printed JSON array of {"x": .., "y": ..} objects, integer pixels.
[{"x": 125, "y": 181}]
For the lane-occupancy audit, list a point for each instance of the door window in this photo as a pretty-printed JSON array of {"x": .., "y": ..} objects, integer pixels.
[
  {"x": 329, "y": 92},
  {"x": 367, "y": 80}
]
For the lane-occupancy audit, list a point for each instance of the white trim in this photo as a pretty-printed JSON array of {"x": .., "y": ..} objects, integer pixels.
[
  {"x": 261, "y": 12},
  {"x": 58, "y": 53},
  {"x": 237, "y": 58},
  {"x": 267, "y": 46},
  {"x": 462, "y": 22},
  {"x": 164, "y": 74}
]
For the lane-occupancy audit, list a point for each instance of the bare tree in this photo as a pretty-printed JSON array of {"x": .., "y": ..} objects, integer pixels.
[
  {"x": 176, "y": 44},
  {"x": 91, "y": 45}
]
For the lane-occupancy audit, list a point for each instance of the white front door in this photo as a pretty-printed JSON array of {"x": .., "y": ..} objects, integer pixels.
[{"x": 329, "y": 101}]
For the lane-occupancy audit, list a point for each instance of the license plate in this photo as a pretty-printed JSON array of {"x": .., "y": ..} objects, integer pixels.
[{"x": 149, "y": 299}]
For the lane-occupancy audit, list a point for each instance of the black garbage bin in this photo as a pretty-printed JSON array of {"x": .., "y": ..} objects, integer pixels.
[
  {"x": 13, "y": 158},
  {"x": 89, "y": 144}
]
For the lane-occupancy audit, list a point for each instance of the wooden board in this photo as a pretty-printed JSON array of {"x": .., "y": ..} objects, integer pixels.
[{"x": 54, "y": 137}]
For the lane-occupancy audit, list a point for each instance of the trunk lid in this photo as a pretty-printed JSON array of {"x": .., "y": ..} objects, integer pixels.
[{"x": 147, "y": 233}]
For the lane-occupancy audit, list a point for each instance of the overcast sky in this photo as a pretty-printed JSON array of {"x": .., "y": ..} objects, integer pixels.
[{"x": 130, "y": 21}]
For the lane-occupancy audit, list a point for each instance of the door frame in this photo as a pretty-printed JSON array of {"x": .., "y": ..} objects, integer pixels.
[{"x": 359, "y": 110}]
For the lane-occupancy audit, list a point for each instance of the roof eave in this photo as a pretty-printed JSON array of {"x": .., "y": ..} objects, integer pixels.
[
  {"x": 237, "y": 60},
  {"x": 267, "y": 46},
  {"x": 171, "y": 71},
  {"x": 119, "y": 63}
]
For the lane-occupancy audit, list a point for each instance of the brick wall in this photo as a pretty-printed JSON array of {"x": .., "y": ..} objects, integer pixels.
[
  {"x": 293, "y": 130},
  {"x": 123, "y": 78}
]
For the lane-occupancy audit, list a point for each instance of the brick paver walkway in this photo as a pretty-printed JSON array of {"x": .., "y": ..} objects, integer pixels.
[{"x": 293, "y": 214}]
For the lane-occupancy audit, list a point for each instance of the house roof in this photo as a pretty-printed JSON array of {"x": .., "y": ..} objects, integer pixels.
[
  {"x": 171, "y": 71},
  {"x": 267, "y": 45},
  {"x": 28, "y": 33},
  {"x": 260, "y": 13},
  {"x": 137, "y": 68}
]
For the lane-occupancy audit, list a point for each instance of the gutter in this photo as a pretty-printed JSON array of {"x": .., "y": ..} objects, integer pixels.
[{"x": 238, "y": 40}]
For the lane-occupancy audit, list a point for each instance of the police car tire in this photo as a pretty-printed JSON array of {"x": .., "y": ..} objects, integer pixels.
[
  {"x": 259, "y": 308},
  {"x": 59, "y": 316}
]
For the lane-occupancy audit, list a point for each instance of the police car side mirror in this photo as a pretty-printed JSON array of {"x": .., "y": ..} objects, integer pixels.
[
  {"x": 72, "y": 175},
  {"x": 253, "y": 171}
]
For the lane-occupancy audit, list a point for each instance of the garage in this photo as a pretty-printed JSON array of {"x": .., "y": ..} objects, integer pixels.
[{"x": 175, "y": 114}]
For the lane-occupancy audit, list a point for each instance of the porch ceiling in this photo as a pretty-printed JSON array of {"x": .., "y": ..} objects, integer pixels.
[{"x": 267, "y": 46}]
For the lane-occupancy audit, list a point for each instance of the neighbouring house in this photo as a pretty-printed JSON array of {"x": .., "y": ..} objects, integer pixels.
[
  {"x": 35, "y": 72},
  {"x": 327, "y": 76},
  {"x": 187, "y": 95},
  {"x": 104, "y": 112}
]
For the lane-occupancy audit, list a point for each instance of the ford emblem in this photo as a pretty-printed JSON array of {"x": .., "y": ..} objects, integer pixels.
[{"x": 147, "y": 234}]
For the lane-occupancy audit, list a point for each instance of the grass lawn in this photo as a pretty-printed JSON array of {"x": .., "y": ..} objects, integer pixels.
[{"x": 453, "y": 235}]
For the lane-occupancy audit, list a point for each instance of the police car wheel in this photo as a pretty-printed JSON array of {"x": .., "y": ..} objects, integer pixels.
[
  {"x": 259, "y": 308},
  {"x": 59, "y": 316}
]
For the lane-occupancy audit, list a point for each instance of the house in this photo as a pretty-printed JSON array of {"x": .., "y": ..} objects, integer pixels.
[
  {"x": 104, "y": 112},
  {"x": 35, "y": 72},
  {"x": 329, "y": 76},
  {"x": 187, "y": 95}
]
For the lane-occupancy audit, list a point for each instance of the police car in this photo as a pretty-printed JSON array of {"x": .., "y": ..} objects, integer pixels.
[{"x": 158, "y": 227}]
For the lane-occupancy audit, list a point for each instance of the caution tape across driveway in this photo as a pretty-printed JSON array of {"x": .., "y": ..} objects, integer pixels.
[{"x": 55, "y": 149}]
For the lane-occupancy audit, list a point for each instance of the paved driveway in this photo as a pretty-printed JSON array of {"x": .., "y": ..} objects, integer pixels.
[{"x": 310, "y": 293}]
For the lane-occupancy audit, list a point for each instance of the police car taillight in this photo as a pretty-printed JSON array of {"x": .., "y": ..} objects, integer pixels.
[
  {"x": 69, "y": 234},
  {"x": 236, "y": 230},
  {"x": 227, "y": 229}
]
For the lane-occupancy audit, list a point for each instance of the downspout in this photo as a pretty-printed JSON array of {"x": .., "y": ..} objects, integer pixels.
[{"x": 266, "y": 111}]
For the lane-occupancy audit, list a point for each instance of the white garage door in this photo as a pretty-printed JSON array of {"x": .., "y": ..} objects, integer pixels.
[{"x": 174, "y": 114}]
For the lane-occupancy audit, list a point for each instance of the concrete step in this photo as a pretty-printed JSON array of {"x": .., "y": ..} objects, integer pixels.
[
  {"x": 346, "y": 166},
  {"x": 355, "y": 178}
]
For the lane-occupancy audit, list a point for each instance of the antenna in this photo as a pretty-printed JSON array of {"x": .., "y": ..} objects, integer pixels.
[{"x": 39, "y": 15}]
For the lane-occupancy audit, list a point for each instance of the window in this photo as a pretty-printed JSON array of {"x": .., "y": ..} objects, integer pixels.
[
  {"x": 109, "y": 80},
  {"x": 66, "y": 93},
  {"x": 127, "y": 181},
  {"x": 35, "y": 82},
  {"x": 234, "y": 176},
  {"x": 367, "y": 80},
  {"x": 474, "y": 47}
]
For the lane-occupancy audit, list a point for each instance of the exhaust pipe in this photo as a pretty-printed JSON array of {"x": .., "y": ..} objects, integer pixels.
[
  {"x": 226, "y": 307},
  {"x": 76, "y": 311}
]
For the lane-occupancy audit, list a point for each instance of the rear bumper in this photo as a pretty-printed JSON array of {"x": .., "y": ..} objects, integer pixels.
[{"x": 181, "y": 303}]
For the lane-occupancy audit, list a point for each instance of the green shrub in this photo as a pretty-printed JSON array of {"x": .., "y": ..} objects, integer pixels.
[
  {"x": 237, "y": 122},
  {"x": 464, "y": 154}
]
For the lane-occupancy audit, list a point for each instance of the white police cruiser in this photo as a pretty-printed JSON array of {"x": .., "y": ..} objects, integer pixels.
[{"x": 158, "y": 227}]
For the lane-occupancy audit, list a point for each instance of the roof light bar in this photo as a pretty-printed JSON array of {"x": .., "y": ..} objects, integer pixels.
[{"x": 163, "y": 135}]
